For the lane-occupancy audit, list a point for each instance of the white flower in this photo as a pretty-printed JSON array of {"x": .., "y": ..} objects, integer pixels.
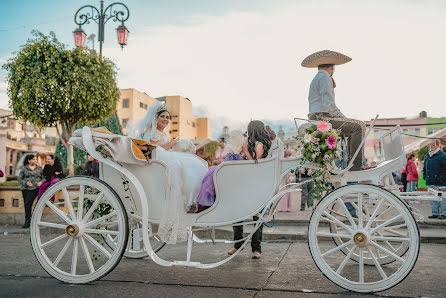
[{"x": 307, "y": 138}]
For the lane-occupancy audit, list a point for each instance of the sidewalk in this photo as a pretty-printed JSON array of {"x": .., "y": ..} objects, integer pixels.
[{"x": 293, "y": 226}]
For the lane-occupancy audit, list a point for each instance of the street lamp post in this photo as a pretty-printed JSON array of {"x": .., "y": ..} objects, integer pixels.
[{"x": 117, "y": 11}]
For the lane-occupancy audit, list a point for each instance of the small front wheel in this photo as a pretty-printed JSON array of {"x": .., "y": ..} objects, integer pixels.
[{"x": 69, "y": 224}]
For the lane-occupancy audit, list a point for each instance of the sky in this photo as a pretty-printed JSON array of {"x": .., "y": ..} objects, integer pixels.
[{"x": 240, "y": 60}]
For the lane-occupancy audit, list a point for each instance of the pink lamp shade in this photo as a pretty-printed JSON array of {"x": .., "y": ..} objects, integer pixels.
[
  {"x": 79, "y": 37},
  {"x": 123, "y": 35}
]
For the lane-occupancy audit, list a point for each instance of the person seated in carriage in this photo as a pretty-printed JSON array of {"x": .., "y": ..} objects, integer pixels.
[
  {"x": 185, "y": 169},
  {"x": 322, "y": 106}
]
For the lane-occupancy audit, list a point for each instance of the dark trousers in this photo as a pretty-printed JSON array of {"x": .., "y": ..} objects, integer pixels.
[
  {"x": 29, "y": 195},
  {"x": 255, "y": 240},
  {"x": 306, "y": 195}
]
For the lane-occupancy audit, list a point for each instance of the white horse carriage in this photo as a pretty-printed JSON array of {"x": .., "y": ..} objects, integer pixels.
[{"x": 99, "y": 221}]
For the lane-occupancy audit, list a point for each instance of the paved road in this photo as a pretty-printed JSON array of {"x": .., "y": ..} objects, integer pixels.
[{"x": 285, "y": 270}]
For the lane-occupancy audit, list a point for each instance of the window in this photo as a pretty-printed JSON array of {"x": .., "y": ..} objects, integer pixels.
[
  {"x": 15, "y": 202},
  {"x": 411, "y": 131},
  {"x": 145, "y": 106},
  {"x": 62, "y": 203},
  {"x": 432, "y": 130},
  {"x": 193, "y": 124},
  {"x": 175, "y": 122},
  {"x": 125, "y": 103},
  {"x": 174, "y": 130},
  {"x": 141, "y": 105},
  {"x": 2, "y": 202},
  {"x": 124, "y": 122},
  {"x": 174, "y": 116}
]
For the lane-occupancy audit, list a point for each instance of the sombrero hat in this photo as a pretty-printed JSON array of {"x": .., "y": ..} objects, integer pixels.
[{"x": 325, "y": 57}]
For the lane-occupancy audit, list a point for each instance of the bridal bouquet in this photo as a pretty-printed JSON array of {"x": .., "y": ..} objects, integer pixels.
[{"x": 320, "y": 146}]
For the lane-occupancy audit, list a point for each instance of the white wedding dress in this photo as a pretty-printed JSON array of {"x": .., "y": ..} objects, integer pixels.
[{"x": 185, "y": 172}]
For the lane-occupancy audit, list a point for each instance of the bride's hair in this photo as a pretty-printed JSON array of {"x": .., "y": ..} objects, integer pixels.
[
  {"x": 258, "y": 133},
  {"x": 162, "y": 111}
]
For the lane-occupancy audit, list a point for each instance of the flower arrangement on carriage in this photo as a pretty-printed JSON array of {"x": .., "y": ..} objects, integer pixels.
[{"x": 320, "y": 146}]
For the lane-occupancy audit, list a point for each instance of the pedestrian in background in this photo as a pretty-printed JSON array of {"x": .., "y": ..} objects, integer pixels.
[
  {"x": 434, "y": 172},
  {"x": 91, "y": 167},
  {"x": 412, "y": 174},
  {"x": 30, "y": 179},
  {"x": 52, "y": 173}
]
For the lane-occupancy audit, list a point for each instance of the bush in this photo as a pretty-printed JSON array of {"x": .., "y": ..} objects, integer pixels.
[
  {"x": 79, "y": 169},
  {"x": 11, "y": 178},
  {"x": 422, "y": 152},
  {"x": 66, "y": 172},
  {"x": 10, "y": 183}
]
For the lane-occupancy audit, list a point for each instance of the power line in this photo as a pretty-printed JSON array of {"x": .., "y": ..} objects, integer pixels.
[
  {"x": 403, "y": 125},
  {"x": 18, "y": 27}
]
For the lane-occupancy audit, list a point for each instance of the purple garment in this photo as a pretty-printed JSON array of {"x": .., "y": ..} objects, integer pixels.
[
  {"x": 45, "y": 185},
  {"x": 206, "y": 197}
]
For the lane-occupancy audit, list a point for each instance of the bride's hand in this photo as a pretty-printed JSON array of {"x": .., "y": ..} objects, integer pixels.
[{"x": 173, "y": 142}]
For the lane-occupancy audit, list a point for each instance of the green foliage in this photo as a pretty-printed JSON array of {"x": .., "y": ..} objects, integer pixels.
[
  {"x": 10, "y": 183},
  {"x": 422, "y": 152},
  {"x": 50, "y": 84}
]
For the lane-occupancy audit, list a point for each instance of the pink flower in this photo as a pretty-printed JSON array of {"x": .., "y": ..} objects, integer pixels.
[
  {"x": 326, "y": 157},
  {"x": 323, "y": 126},
  {"x": 331, "y": 142},
  {"x": 313, "y": 156},
  {"x": 315, "y": 140}
]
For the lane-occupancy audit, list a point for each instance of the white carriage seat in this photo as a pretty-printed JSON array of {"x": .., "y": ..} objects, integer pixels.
[{"x": 242, "y": 189}]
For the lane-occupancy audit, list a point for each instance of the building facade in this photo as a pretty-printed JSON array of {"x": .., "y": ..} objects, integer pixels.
[{"x": 133, "y": 105}]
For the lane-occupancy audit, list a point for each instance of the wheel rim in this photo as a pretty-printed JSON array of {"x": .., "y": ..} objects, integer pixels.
[
  {"x": 389, "y": 224},
  {"x": 66, "y": 234}
]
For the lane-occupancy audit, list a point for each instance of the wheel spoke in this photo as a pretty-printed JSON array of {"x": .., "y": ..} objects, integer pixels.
[
  {"x": 70, "y": 205},
  {"x": 51, "y": 225},
  {"x": 384, "y": 212},
  {"x": 87, "y": 255},
  {"x": 344, "y": 262},
  {"x": 100, "y": 231},
  {"x": 375, "y": 212},
  {"x": 337, "y": 221},
  {"x": 334, "y": 235},
  {"x": 384, "y": 224},
  {"x": 378, "y": 266},
  {"x": 361, "y": 265},
  {"x": 74, "y": 259},
  {"x": 387, "y": 251},
  {"x": 80, "y": 202},
  {"x": 360, "y": 215},
  {"x": 336, "y": 248},
  {"x": 53, "y": 240},
  {"x": 349, "y": 216},
  {"x": 100, "y": 219},
  {"x": 92, "y": 208},
  {"x": 59, "y": 212},
  {"x": 97, "y": 245},
  {"x": 387, "y": 238},
  {"x": 62, "y": 252},
  {"x": 394, "y": 232}
]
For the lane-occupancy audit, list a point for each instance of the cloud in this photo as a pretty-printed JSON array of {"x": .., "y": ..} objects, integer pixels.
[{"x": 247, "y": 65}]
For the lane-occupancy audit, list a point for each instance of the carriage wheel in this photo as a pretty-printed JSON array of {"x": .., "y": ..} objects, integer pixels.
[
  {"x": 377, "y": 236},
  {"x": 67, "y": 234},
  {"x": 135, "y": 246},
  {"x": 339, "y": 212}
]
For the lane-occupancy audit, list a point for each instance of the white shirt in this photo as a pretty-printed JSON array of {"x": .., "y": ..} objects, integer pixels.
[{"x": 322, "y": 97}]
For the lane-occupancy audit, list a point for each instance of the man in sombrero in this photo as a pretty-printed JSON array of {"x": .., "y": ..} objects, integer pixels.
[{"x": 322, "y": 101}]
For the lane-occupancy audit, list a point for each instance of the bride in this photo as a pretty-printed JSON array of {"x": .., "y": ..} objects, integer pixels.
[{"x": 185, "y": 171}]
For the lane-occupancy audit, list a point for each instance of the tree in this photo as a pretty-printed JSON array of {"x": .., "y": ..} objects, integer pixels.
[
  {"x": 49, "y": 85},
  {"x": 422, "y": 152}
]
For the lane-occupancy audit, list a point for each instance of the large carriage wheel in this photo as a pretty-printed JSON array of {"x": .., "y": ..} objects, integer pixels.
[
  {"x": 377, "y": 236},
  {"x": 67, "y": 234},
  {"x": 135, "y": 246},
  {"x": 338, "y": 211}
]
